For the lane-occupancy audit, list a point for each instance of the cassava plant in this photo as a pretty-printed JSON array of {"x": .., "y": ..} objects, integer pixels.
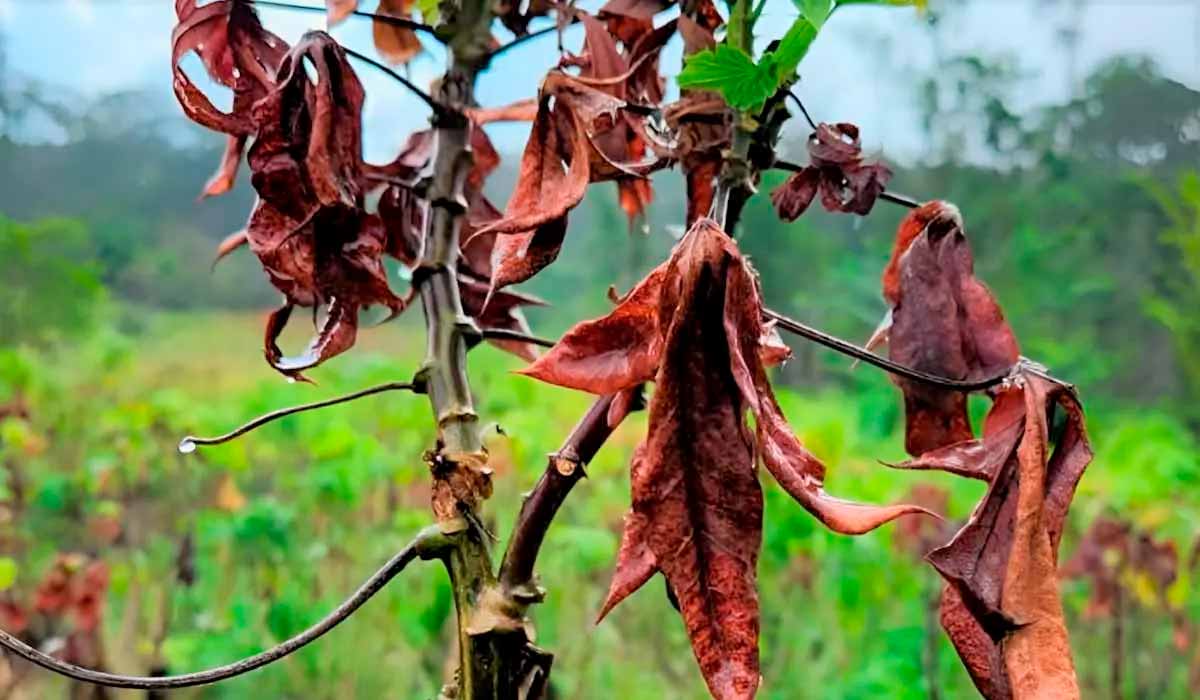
[{"x": 692, "y": 342}]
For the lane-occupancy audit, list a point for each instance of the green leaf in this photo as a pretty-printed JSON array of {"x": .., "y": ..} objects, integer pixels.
[
  {"x": 429, "y": 10},
  {"x": 815, "y": 11},
  {"x": 793, "y": 47},
  {"x": 744, "y": 84}
]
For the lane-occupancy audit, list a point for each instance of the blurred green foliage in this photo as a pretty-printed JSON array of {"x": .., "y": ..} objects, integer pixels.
[
  {"x": 116, "y": 340},
  {"x": 289, "y": 519}
]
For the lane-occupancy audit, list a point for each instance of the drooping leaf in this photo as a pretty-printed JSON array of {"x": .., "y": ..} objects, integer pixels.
[
  {"x": 238, "y": 53},
  {"x": 338, "y": 10},
  {"x": 309, "y": 230},
  {"x": 943, "y": 321},
  {"x": 1003, "y": 564},
  {"x": 613, "y": 352},
  {"x": 398, "y": 45},
  {"x": 695, "y": 325},
  {"x": 837, "y": 172}
]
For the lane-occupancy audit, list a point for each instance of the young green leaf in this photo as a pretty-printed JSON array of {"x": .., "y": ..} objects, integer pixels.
[
  {"x": 744, "y": 84},
  {"x": 793, "y": 47},
  {"x": 815, "y": 11}
]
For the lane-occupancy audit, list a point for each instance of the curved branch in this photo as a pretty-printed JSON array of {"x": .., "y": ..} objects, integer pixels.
[
  {"x": 847, "y": 348},
  {"x": 526, "y": 37},
  {"x": 189, "y": 443},
  {"x": 424, "y": 545},
  {"x": 803, "y": 110},
  {"x": 564, "y": 470},
  {"x": 385, "y": 19},
  {"x": 437, "y": 107}
]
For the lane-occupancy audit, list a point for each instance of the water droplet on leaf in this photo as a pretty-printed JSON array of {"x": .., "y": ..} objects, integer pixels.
[{"x": 187, "y": 446}]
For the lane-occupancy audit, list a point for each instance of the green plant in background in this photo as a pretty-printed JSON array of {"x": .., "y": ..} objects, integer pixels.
[
  {"x": 293, "y": 537},
  {"x": 1171, "y": 307}
]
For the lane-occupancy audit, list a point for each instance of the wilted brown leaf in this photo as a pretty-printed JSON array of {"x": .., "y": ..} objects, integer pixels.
[
  {"x": 1002, "y": 609},
  {"x": 943, "y": 321},
  {"x": 238, "y": 53},
  {"x": 338, "y": 10},
  {"x": 309, "y": 230},
  {"x": 695, "y": 325},
  {"x": 397, "y": 45},
  {"x": 836, "y": 170}
]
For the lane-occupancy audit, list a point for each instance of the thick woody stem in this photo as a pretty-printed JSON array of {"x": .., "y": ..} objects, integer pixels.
[
  {"x": 494, "y": 651},
  {"x": 444, "y": 371}
]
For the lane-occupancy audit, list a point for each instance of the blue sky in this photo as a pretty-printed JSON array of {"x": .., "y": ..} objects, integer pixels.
[{"x": 862, "y": 68}]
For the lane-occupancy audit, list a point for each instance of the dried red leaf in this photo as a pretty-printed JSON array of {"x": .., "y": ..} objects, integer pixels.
[
  {"x": 230, "y": 243},
  {"x": 695, "y": 325},
  {"x": 629, "y": 20},
  {"x": 1003, "y": 563},
  {"x": 611, "y": 353},
  {"x": 943, "y": 321},
  {"x": 238, "y": 53},
  {"x": 338, "y": 10},
  {"x": 316, "y": 243},
  {"x": 398, "y": 45},
  {"x": 222, "y": 181},
  {"x": 837, "y": 172},
  {"x": 703, "y": 127}
]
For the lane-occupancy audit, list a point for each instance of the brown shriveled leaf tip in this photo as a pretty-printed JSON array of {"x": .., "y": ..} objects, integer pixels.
[
  {"x": 694, "y": 325},
  {"x": 563, "y": 154},
  {"x": 309, "y": 229},
  {"x": 338, "y": 10},
  {"x": 238, "y": 53},
  {"x": 397, "y": 45},
  {"x": 1001, "y": 608},
  {"x": 943, "y": 321},
  {"x": 230, "y": 243},
  {"x": 837, "y": 172}
]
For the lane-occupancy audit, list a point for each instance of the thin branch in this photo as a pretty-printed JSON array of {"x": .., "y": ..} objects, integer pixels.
[
  {"x": 189, "y": 443},
  {"x": 564, "y": 470},
  {"x": 526, "y": 37},
  {"x": 424, "y": 544},
  {"x": 506, "y": 334},
  {"x": 385, "y": 19},
  {"x": 847, "y": 348},
  {"x": 803, "y": 110},
  {"x": 437, "y": 107},
  {"x": 902, "y": 200}
]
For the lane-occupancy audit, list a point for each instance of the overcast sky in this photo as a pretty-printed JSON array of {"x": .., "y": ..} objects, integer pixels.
[{"x": 861, "y": 69}]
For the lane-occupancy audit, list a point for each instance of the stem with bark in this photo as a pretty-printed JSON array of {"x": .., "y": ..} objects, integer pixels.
[{"x": 497, "y": 662}]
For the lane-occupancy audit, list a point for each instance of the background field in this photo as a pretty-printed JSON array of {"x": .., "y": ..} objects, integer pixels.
[{"x": 116, "y": 340}]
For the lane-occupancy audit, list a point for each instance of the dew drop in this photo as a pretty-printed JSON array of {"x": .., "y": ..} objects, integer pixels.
[
  {"x": 187, "y": 446},
  {"x": 291, "y": 380}
]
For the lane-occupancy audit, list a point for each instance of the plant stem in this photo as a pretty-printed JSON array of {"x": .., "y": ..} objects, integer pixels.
[
  {"x": 495, "y": 657},
  {"x": 564, "y": 469}
]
